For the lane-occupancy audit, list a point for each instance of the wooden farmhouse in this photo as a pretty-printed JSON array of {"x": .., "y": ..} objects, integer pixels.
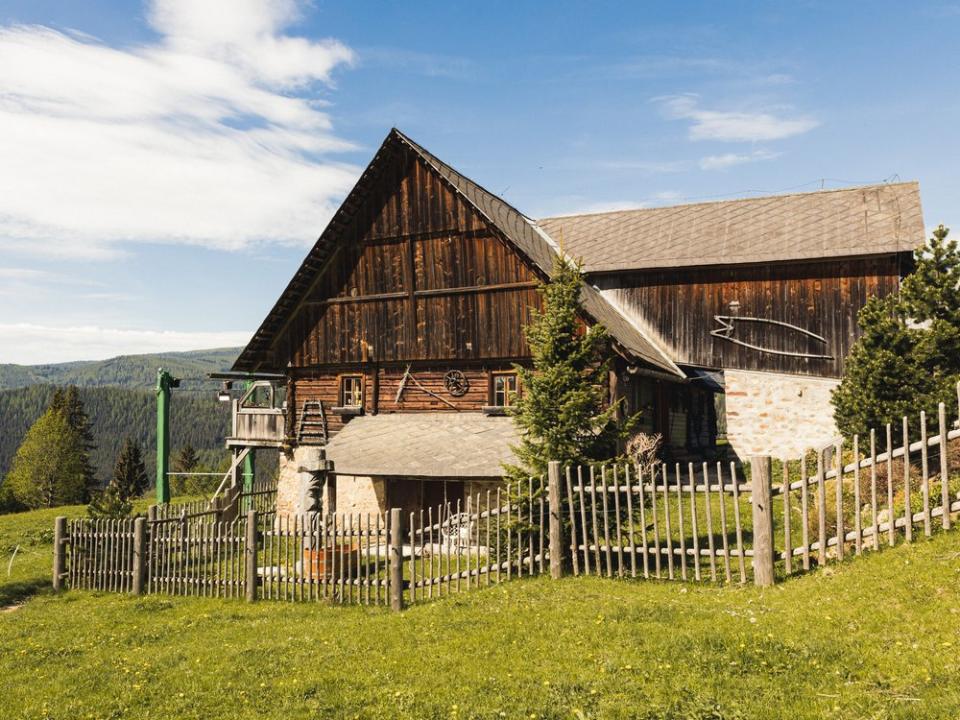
[{"x": 396, "y": 340}]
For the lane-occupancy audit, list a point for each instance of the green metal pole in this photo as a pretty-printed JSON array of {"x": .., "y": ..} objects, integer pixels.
[
  {"x": 165, "y": 381},
  {"x": 248, "y": 461}
]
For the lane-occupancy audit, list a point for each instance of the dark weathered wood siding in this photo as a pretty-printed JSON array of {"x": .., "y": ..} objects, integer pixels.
[
  {"x": 823, "y": 298},
  {"x": 380, "y": 386},
  {"x": 419, "y": 275}
]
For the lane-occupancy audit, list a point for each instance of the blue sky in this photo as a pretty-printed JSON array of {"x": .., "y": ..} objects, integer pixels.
[{"x": 167, "y": 164}]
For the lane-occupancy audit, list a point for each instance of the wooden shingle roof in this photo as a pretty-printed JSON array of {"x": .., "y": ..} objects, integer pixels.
[{"x": 853, "y": 221}]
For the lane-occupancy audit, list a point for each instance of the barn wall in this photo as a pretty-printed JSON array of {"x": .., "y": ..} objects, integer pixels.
[
  {"x": 323, "y": 384},
  {"x": 418, "y": 275},
  {"x": 823, "y": 298}
]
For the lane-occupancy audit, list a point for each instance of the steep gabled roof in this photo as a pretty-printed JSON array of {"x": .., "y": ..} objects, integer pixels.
[
  {"x": 803, "y": 226},
  {"x": 541, "y": 249},
  {"x": 532, "y": 242}
]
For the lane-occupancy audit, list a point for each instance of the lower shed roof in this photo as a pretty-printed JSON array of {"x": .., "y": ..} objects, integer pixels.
[{"x": 428, "y": 445}]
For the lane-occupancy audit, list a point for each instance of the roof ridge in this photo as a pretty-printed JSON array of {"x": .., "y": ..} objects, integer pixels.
[{"x": 771, "y": 196}]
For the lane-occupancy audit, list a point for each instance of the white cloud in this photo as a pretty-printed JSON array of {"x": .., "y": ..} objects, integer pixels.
[
  {"x": 213, "y": 135},
  {"x": 721, "y": 162},
  {"x": 29, "y": 344},
  {"x": 733, "y": 126}
]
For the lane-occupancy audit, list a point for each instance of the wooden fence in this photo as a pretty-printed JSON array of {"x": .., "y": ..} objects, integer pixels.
[
  {"x": 866, "y": 493},
  {"x": 491, "y": 537},
  {"x": 340, "y": 558},
  {"x": 688, "y": 523},
  {"x": 708, "y": 522},
  {"x": 262, "y": 497}
]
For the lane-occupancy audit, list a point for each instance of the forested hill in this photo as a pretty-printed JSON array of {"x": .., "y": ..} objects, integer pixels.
[
  {"x": 116, "y": 412},
  {"x": 126, "y": 371}
]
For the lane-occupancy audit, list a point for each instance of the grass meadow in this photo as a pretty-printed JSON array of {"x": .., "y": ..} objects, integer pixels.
[{"x": 875, "y": 637}]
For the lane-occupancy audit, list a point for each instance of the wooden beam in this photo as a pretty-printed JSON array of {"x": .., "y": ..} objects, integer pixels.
[{"x": 412, "y": 294}]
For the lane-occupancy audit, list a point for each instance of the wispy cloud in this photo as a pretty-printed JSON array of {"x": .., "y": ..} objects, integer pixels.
[
  {"x": 721, "y": 162},
  {"x": 28, "y": 344},
  {"x": 734, "y": 126},
  {"x": 213, "y": 135}
]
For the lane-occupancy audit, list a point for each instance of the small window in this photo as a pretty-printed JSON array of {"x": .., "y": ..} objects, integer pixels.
[
  {"x": 351, "y": 390},
  {"x": 505, "y": 388}
]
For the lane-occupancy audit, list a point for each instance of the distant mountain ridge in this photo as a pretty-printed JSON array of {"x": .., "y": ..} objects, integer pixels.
[{"x": 126, "y": 371}]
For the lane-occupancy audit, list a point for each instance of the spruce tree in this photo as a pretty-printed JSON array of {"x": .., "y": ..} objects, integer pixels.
[
  {"x": 186, "y": 459},
  {"x": 908, "y": 357},
  {"x": 562, "y": 413},
  {"x": 71, "y": 406},
  {"x": 48, "y": 468},
  {"x": 129, "y": 481}
]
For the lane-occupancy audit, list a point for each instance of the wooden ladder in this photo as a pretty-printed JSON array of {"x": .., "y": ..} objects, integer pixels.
[{"x": 313, "y": 422}]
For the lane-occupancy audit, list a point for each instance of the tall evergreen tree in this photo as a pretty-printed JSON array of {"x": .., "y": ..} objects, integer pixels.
[
  {"x": 908, "y": 357},
  {"x": 186, "y": 459},
  {"x": 48, "y": 467},
  {"x": 562, "y": 412},
  {"x": 71, "y": 406},
  {"x": 129, "y": 481}
]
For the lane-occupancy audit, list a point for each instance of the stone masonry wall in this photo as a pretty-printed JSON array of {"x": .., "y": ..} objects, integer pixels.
[
  {"x": 294, "y": 477},
  {"x": 778, "y": 415}
]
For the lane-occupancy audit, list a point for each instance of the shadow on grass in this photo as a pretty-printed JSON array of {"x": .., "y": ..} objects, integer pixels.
[{"x": 14, "y": 593}]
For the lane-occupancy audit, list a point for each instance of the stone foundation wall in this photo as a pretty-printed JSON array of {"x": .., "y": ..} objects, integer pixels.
[
  {"x": 361, "y": 495},
  {"x": 778, "y": 415},
  {"x": 294, "y": 478}
]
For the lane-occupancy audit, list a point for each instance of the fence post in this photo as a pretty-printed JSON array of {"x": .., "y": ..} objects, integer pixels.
[
  {"x": 556, "y": 520},
  {"x": 251, "y": 556},
  {"x": 762, "y": 489},
  {"x": 59, "y": 551},
  {"x": 139, "y": 554},
  {"x": 152, "y": 513},
  {"x": 396, "y": 559}
]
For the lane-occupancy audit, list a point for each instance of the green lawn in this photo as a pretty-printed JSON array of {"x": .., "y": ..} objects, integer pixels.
[{"x": 877, "y": 637}]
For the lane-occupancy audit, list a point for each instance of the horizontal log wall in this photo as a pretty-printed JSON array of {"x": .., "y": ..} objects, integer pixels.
[
  {"x": 323, "y": 384},
  {"x": 823, "y": 298}
]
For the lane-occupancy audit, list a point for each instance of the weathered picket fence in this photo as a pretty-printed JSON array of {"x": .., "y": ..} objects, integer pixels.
[
  {"x": 688, "y": 523},
  {"x": 339, "y": 558},
  {"x": 708, "y": 522},
  {"x": 864, "y": 495},
  {"x": 491, "y": 537},
  {"x": 261, "y": 496}
]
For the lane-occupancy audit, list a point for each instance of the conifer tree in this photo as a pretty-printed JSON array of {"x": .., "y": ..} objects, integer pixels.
[
  {"x": 908, "y": 357},
  {"x": 186, "y": 459},
  {"x": 562, "y": 413},
  {"x": 129, "y": 481},
  {"x": 71, "y": 406},
  {"x": 48, "y": 468}
]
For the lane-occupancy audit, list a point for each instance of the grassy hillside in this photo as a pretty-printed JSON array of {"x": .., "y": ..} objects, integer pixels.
[
  {"x": 196, "y": 418},
  {"x": 877, "y": 637},
  {"x": 131, "y": 371}
]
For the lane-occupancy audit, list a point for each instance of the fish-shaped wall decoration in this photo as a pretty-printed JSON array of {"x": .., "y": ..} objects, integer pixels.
[{"x": 728, "y": 328}]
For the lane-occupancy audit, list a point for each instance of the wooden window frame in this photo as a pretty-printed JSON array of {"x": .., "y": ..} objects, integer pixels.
[
  {"x": 340, "y": 394},
  {"x": 493, "y": 387}
]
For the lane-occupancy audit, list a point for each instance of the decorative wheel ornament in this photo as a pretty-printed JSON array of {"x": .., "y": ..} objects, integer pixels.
[{"x": 456, "y": 383}]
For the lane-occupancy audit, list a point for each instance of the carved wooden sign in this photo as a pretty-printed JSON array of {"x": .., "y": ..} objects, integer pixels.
[{"x": 727, "y": 330}]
